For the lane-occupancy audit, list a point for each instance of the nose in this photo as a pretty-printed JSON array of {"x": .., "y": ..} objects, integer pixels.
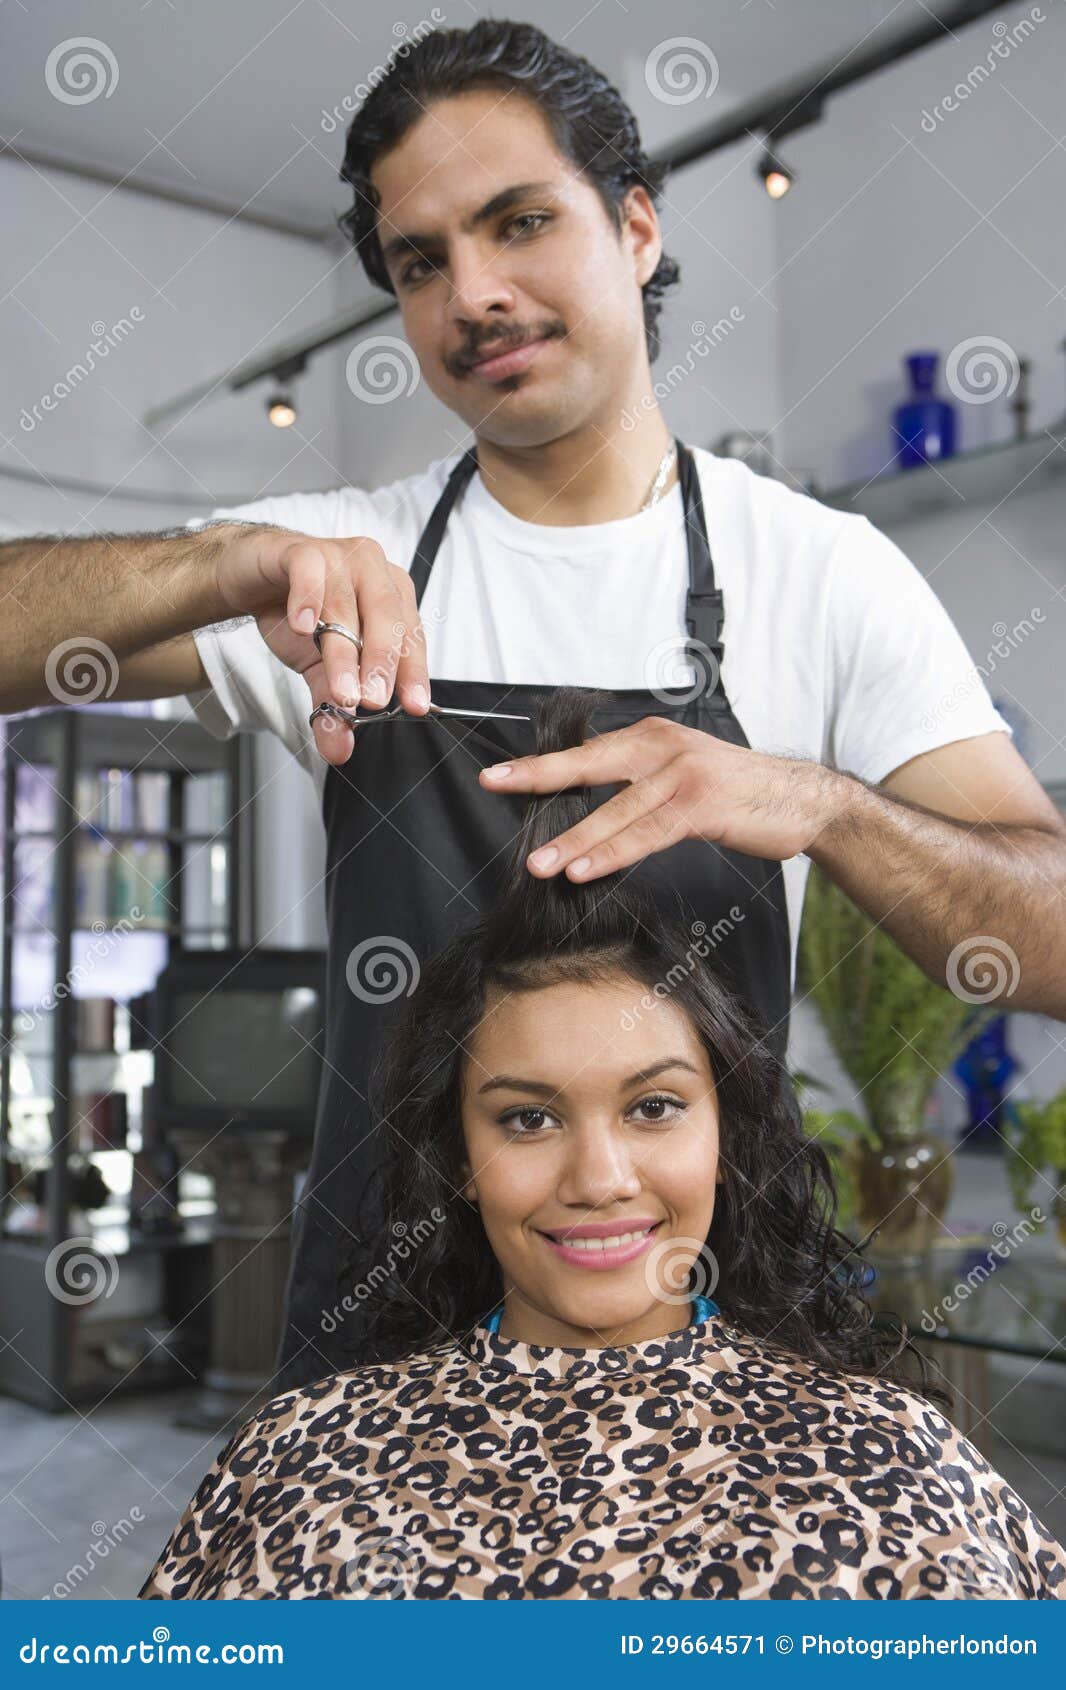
[
  {"x": 478, "y": 286},
  {"x": 599, "y": 1168}
]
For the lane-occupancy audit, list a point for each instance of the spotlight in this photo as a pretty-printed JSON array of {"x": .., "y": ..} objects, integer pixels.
[
  {"x": 281, "y": 410},
  {"x": 281, "y": 406},
  {"x": 776, "y": 177}
]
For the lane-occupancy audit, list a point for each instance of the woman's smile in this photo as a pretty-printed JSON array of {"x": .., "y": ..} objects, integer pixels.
[{"x": 602, "y": 1245}]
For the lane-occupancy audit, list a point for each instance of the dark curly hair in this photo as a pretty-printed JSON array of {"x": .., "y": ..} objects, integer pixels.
[
  {"x": 785, "y": 1272},
  {"x": 591, "y": 123}
]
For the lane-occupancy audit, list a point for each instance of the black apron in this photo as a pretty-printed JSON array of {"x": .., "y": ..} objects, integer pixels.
[{"x": 415, "y": 851}]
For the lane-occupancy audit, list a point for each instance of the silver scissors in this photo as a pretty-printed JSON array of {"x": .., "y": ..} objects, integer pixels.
[{"x": 397, "y": 713}]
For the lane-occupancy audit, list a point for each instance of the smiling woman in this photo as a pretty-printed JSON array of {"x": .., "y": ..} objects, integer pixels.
[{"x": 609, "y": 1342}]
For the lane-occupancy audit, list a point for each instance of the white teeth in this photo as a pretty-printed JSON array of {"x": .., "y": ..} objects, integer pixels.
[{"x": 604, "y": 1243}]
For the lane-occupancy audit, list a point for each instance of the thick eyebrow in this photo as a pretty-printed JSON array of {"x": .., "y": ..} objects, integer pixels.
[
  {"x": 491, "y": 208},
  {"x": 509, "y": 1082}
]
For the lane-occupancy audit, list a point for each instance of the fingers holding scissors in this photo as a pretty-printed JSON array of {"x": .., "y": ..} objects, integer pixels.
[{"x": 333, "y": 735}]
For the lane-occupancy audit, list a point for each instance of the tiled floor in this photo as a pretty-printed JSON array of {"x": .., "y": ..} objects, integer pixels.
[
  {"x": 86, "y": 1505},
  {"x": 101, "y": 1495}
]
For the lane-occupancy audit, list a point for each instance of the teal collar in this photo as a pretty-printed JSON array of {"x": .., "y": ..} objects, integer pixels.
[{"x": 702, "y": 1309}]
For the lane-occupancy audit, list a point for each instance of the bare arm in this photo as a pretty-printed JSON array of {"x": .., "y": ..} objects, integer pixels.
[
  {"x": 127, "y": 604},
  {"x": 975, "y": 891},
  {"x": 137, "y": 596},
  {"x": 162, "y": 671}
]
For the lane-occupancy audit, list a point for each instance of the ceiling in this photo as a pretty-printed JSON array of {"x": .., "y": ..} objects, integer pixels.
[{"x": 237, "y": 105}]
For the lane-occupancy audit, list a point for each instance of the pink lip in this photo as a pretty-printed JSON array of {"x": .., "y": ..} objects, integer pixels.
[
  {"x": 506, "y": 363},
  {"x": 600, "y": 1259}
]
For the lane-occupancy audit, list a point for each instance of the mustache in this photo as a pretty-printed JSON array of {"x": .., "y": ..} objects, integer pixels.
[{"x": 490, "y": 346}]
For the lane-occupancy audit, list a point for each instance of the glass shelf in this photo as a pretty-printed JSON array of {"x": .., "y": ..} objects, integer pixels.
[
  {"x": 986, "y": 476},
  {"x": 967, "y": 1295}
]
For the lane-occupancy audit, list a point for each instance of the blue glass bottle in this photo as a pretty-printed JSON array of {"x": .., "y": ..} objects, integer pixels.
[{"x": 923, "y": 426}]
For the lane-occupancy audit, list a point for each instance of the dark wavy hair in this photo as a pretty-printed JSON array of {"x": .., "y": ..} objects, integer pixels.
[
  {"x": 785, "y": 1272},
  {"x": 591, "y": 124}
]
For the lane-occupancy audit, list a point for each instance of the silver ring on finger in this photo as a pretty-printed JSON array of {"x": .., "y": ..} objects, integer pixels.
[{"x": 335, "y": 628}]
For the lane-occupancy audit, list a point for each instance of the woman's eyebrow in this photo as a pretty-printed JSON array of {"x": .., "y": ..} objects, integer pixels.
[{"x": 511, "y": 1082}]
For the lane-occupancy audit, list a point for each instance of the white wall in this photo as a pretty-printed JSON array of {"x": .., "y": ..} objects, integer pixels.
[
  {"x": 882, "y": 250},
  {"x": 896, "y": 240},
  {"x": 198, "y": 293}
]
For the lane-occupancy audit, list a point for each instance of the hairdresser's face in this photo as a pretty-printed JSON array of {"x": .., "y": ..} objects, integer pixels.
[
  {"x": 563, "y": 1135},
  {"x": 543, "y": 265}
]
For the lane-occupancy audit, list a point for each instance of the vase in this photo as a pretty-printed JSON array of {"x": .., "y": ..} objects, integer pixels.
[
  {"x": 902, "y": 1183},
  {"x": 923, "y": 426}
]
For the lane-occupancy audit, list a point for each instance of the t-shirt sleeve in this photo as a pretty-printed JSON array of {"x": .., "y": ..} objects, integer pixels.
[
  {"x": 899, "y": 679},
  {"x": 251, "y": 689}
]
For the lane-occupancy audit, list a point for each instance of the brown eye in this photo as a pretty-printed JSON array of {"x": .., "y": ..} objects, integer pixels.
[
  {"x": 666, "y": 1104},
  {"x": 518, "y": 1120}
]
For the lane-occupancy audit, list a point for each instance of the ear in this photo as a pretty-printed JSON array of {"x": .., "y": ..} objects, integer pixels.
[
  {"x": 469, "y": 1190},
  {"x": 642, "y": 223}
]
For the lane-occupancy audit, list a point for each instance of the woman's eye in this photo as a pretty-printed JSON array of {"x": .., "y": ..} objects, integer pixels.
[
  {"x": 664, "y": 1104},
  {"x": 518, "y": 1119}
]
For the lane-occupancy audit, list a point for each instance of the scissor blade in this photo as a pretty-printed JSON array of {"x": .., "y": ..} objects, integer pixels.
[{"x": 478, "y": 715}]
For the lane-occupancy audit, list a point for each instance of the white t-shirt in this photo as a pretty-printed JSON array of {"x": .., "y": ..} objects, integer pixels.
[{"x": 835, "y": 646}]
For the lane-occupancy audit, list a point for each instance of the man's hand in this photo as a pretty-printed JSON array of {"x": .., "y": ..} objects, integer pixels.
[
  {"x": 291, "y": 581},
  {"x": 680, "y": 783}
]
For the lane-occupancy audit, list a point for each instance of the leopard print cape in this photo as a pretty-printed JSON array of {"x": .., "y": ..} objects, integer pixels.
[{"x": 704, "y": 1464}]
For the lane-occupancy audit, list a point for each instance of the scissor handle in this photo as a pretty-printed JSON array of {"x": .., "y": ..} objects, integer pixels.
[{"x": 353, "y": 719}]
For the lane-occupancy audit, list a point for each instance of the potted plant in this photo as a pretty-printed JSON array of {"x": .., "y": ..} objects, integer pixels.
[
  {"x": 1035, "y": 1134},
  {"x": 894, "y": 1032}
]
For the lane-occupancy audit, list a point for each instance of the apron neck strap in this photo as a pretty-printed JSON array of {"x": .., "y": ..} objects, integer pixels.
[
  {"x": 433, "y": 533},
  {"x": 704, "y": 611}
]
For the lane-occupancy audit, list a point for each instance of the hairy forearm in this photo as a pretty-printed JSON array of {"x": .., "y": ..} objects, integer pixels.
[
  {"x": 129, "y": 591},
  {"x": 978, "y": 906}
]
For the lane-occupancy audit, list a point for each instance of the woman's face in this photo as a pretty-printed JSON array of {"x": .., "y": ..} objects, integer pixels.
[{"x": 575, "y": 1128}]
